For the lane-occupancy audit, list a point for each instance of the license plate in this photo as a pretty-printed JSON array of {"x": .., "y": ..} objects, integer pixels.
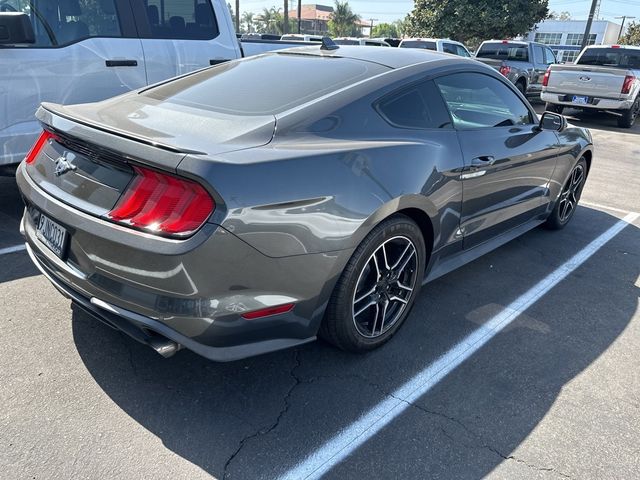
[
  {"x": 580, "y": 100},
  {"x": 52, "y": 235}
]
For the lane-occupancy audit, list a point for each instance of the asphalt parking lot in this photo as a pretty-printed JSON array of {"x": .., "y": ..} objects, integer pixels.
[{"x": 555, "y": 394}]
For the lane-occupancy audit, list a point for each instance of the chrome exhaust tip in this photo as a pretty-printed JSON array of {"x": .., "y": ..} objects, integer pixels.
[{"x": 165, "y": 347}]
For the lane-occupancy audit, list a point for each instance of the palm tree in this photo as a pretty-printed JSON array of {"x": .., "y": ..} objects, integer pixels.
[
  {"x": 247, "y": 20},
  {"x": 268, "y": 20},
  {"x": 343, "y": 20}
]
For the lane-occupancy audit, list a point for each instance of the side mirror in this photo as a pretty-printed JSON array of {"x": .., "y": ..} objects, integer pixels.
[
  {"x": 553, "y": 121},
  {"x": 15, "y": 28}
]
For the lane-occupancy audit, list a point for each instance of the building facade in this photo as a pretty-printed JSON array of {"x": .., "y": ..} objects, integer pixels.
[{"x": 565, "y": 36}]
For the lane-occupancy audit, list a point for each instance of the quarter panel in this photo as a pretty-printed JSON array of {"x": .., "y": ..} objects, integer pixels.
[{"x": 320, "y": 195}]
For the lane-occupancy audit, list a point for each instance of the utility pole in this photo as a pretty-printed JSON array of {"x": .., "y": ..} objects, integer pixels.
[
  {"x": 238, "y": 16},
  {"x": 371, "y": 27},
  {"x": 299, "y": 16},
  {"x": 624, "y": 17},
  {"x": 587, "y": 30},
  {"x": 285, "y": 28}
]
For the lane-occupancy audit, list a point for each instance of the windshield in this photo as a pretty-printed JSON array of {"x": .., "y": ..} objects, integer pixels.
[
  {"x": 261, "y": 85},
  {"x": 611, "y": 57},
  {"x": 418, "y": 44},
  {"x": 504, "y": 51}
]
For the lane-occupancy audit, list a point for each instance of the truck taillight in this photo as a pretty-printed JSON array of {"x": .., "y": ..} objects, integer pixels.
[
  {"x": 545, "y": 79},
  {"x": 627, "y": 84},
  {"x": 505, "y": 70},
  {"x": 163, "y": 204},
  {"x": 44, "y": 137}
]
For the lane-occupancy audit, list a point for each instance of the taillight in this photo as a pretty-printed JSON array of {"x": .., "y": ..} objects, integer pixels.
[
  {"x": 505, "y": 70},
  {"x": 545, "y": 79},
  {"x": 163, "y": 204},
  {"x": 44, "y": 137},
  {"x": 627, "y": 84}
]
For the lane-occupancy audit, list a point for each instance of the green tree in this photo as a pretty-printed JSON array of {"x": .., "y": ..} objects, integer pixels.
[
  {"x": 469, "y": 21},
  {"x": 632, "y": 34},
  {"x": 267, "y": 20},
  {"x": 246, "y": 22},
  {"x": 343, "y": 21},
  {"x": 562, "y": 16},
  {"x": 271, "y": 20},
  {"x": 385, "y": 30}
]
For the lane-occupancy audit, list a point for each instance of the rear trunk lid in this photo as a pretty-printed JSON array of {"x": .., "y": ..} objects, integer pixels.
[
  {"x": 591, "y": 81},
  {"x": 100, "y": 141}
]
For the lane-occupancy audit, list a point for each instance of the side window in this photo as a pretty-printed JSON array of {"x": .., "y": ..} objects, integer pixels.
[
  {"x": 61, "y": 22},
  {"x": 449, "y": 48},
  {"x": 462, "y": 51},
  {"x": 418, "y": 107},
  {"x": 181, "y": 19},
  {"x": 549, "y": 57},
  {"x": 538, "y": 54},
  {"x": 476, "y": 100}
]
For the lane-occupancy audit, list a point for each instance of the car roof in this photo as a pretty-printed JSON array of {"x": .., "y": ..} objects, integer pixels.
[
  {"x": 615, "y": 45},
  {"x": 389, "y": 57}
]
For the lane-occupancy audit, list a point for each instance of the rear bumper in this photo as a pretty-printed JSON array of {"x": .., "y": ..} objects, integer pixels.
[
  {"x": 191, "y": 292},
  {"x": 155, "y": 334},
  {"x": 596, "y": 103}
]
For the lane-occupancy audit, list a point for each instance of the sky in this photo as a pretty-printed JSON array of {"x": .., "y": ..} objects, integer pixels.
[{"x": 390, "y": 10}]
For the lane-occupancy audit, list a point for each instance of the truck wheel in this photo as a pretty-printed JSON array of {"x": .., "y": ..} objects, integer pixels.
[
  {"x": 552, "y": 107},
  {"x": 521, "y": 86},
  {"x": 628, "y": 117}
]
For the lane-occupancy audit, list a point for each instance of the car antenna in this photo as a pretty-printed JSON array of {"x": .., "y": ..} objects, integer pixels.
[{"x": 328, "y": 44}]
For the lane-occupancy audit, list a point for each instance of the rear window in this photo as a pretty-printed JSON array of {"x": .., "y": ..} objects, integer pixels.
[
  {"x": 504, "y": 51},
  {"x": 261, "y": 85},
  {"x": 419, "y": 44},
  {"x": 610, "y": 57}
]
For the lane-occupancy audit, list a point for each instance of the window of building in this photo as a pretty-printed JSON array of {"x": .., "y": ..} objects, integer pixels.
[
  {"x": 576, "y": 39},
  {"x": 61, "y": 22},
  {"x": 569, "y": 56},
  {"x": 548, "y": 38}
]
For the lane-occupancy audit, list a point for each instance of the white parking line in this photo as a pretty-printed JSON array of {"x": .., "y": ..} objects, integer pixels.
[
  {"x": 355, "y": 435},
  {"x": 15, "y": 248},
  {"x": 602, "y": 207}
]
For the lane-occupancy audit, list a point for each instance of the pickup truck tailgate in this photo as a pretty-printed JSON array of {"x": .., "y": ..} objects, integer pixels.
[{"x": 585, "y": 80}]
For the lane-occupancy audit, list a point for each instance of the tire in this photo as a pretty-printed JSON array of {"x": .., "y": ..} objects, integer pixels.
[
  {"x": 522, "y": 87},
  {"x": 552, "y": 107},
  {"x": 628, "y": 118},
  {"x": 567, "y": 202},
  {"x": 349, "y": 323}
]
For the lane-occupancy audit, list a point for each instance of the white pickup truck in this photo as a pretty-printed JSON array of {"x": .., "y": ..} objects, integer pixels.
[
  {"x": 77, "y": 51},
  {"x": 604, "y": 77}
]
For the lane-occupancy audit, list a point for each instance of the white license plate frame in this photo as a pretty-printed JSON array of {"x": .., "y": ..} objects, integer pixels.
[{"x": 53, "y": 235}]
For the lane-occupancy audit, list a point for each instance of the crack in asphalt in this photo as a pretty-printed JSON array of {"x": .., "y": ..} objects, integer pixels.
[
  {"x": 423, "y": 409},
  {"x": 274, "y": 425},
  {"x": 298, "y": 380}
]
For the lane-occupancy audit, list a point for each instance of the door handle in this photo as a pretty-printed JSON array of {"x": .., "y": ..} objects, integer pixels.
[
  {"x": 121, "y": 63},
  {"x": 483, "y": 161}
]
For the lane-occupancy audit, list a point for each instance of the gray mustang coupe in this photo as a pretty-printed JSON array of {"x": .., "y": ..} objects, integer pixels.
[{"x": 254, "y": 205}]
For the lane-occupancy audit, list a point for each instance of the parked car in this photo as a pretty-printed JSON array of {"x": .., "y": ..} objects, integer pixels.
[
  {"x": 370, "y": 42},
  {"x": 235, "y": 218},
  {"x": 604, "y": 77},
  {"x": 436, "y": 44},
  {"x": 302, "y": 37},
  {"x": 68, "y": 51},
  {"x": 524, "y": 63}
]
